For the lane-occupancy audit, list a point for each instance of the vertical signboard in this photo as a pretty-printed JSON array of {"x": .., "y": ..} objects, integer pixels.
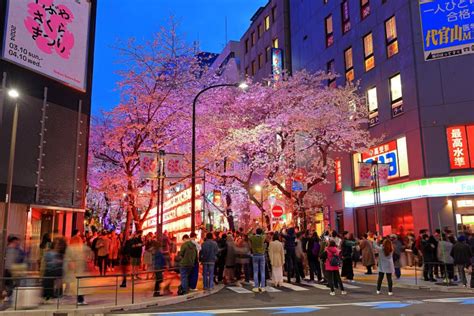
[
  {"x": 49, "y": 37},
  {"x": 447, "y": 28},
  {"x": 148, "y": 165},
  {"x": 277, "y": 63},
  {"x": 458, "y": 147},
  {"x": 338, "y": 175}
]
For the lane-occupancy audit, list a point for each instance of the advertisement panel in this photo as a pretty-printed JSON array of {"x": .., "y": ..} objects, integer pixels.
[
  {"x": 148, "y": 165},
  {"x": 385, "y": 154},
  {"x": 49, "y": 37},
  {"x": 277, "y": 63},
  {"x": 447, "y": 28},
  {"x": 338, "y": 175},
  {"x": 460, "y": 146}
]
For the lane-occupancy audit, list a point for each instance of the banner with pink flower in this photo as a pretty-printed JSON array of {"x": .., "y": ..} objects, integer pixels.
[{"x": 50, "y": 37}]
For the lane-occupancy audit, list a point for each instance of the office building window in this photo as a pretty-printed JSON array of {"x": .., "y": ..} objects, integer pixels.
[
  {"x": 346, "y": 22},
  {"x": 268, "y": 54},
  {"x": 246, "y": 45},
  {"x": 391, "y": 37},
  {"x": 254, "y": 68},
  {"x": 369, "y": 52},
  {"x": 331, "y": 69},
  {"x": 329, "y": 31},
  {"x": 267, "y": 23},
  {"x": 364, "y": 8},
  {"x": 396, "y": 96},
  {"x": 349, "y": 64},
  {"x": 275, "y": 42},
  {"x": 373, "y": 105},
  {"x": 260, "y": 61},
  {"x": 274, "y": 13},
  {"x": 254, "y": 39},
  {"x": 260, "y": 30}
]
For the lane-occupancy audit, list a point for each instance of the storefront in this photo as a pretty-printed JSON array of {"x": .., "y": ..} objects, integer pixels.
[{"x": 463, "y": 209}]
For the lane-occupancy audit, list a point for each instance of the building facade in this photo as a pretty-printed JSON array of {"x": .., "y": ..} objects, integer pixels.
[
  {"x": 47, "y": 56},
  {"x": 419, "y": 102}
]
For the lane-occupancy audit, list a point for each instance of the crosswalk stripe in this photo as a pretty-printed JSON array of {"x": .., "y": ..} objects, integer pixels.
[
  {"x": 271, "y": 289},
  {"x": 294, "y": 287},
  {"x": 239, "y": 290},
  {"x": 350, "y": 286},
  {"x": 316, "y": 285}
]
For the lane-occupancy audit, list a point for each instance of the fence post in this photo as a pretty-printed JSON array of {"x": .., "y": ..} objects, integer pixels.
[
  {"x": 133, "y": 288},
  {"x": 116, "y": 289},
  {"x": 77, "y": 291}
]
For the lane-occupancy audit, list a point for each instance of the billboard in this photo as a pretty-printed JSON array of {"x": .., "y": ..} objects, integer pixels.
[
  {"x": 447, "y": 28},
  {"x": 49, "y": 37},
  {"x": 461, "y": 146},
  {"x": 277, "y": 63}
]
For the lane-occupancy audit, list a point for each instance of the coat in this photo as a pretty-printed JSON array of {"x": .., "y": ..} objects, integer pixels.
[
  {"x": 231, "y": 255},
  {"x": 209, "y": 251},
  {"x": 461, "y": 253},
  {"x": 386, "y": 264},
  {"x": 276, "y": 253},
  {"x": 367, "y": 250},
  {"x": 243, "y": 252},
  {"x": 102, "y": 246},
  {"x": 444, "y": 252},
  {"x": 331, "y": 251},
  {"x": 187, "y": 254},
  {"x": 114, "y": 247}
]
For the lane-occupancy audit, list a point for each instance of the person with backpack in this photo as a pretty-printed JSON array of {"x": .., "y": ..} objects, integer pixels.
[
  {"x": 386, "y": 265},
  {"x": 332, "y": 267},
  {"x": 312, "y": 251},
  {"x": 187, "y": 257}
]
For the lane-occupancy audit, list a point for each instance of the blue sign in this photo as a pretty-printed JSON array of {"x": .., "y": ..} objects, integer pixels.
[
  {"x": 297, "y": 186},
  {"x": 447, "y": 27}
]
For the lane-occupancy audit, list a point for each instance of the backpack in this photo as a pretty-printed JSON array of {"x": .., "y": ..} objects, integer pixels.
[{"x": 335, "y": 261}]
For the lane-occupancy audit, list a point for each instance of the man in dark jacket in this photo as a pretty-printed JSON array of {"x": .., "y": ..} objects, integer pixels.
[
  {"x": 428, "y": 248},
  {"x": 208, "y": 257},
  {"x": 187, "y": 258},
  {"x": 290, "y": 256},
  {"x": 159, "y": 264},
  {"x": 462, "y": 255}
]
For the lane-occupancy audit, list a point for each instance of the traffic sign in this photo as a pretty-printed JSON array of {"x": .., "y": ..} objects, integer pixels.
[{"x": 277, "y": 211}]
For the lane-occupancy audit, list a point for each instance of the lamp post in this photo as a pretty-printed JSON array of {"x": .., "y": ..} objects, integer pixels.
[
  {"x": 13, "y": 94},
  {"x": 258, "y": 188},
  {"x": 242, "y": 86}
]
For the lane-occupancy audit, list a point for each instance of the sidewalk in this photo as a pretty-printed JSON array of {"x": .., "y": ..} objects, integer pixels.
[
  {"x": 109, "y": 298},
  {"x": 410, "y": 278}
]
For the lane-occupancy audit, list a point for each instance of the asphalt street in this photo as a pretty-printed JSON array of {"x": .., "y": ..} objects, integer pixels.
[{"x": 310, "y": 299}]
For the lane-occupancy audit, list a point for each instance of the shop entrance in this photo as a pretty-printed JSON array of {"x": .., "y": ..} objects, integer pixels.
[{"x": 397, "y": 219}]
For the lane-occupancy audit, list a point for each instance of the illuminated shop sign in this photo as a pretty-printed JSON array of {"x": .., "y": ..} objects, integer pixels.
[
  {"x": 338, "y": 175},
  {"x": 461, "y": 146},
  {"x": 447, "y": 27},
  {"x": 277, "y": 63},
  {"x": 433, "y": 187}
]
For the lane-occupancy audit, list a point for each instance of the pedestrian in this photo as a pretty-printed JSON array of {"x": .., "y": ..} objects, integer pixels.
[
  {"x": 45, "y": 245},
  {"x": 74, "y": 264},
  {"x": 312, "y": 250},
  {"x": 102, "y": 245},
  {"x": 15, "y": 264},
  {"x": 148, "y": 254},
  {"x": 220, "y": 264},
  {"x": 276, "y": 253},
  {"x": 386, "y": 266},
  {"x": 429, "y": 257},
  {"x": 398, "y": 249},
  {"x": 290, "y": 256},
  {"x": 347, "y": 245},
  {"x": 333, "y": 263},
  {"x": 194, "y": 276},
  {"x": 300, "y": 256},
  {"x": 444, "y": 256},
  {"x": 257, "y": 244},
  {"x": 208, "y": 258},
  {"x": 125, "y": 252},
  {"x": 114, "y": 248},
  {"x": 53, "y": 270},
  {"x": 229, "y": 271},
  {"x": 186, "y": 258},
  {"x": 136, "y": 249},
  {"x": 462, "y": 255},
  {"x": 243, "y": 258},
  {"x": 159, "y": 264},
  {"x": 367, "y": 250}
]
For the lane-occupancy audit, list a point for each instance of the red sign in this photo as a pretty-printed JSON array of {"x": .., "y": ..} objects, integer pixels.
[
  {"x": 277, "y": 211},
  {"x": 458, "y": 147},
  {"x": 470, "y": 140},
  {"x": 374, "y": 152},
  {"x": 338, "y": 175}
]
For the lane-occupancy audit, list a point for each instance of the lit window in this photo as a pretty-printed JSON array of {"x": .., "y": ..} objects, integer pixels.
[
  {"x": 267, "y": 23},
  {"x": 369, "y": 52},
  {"x": 254, "y": 39},
  {"x": 396, "y": 96},
  {"x": 275, "y": 43},
  {"x": 329, "y": 31},
  {"x": 254, "y": 68},
  {"x": 364, "y": 8},
  {"x": 391, "y": 37},
  {"x": 373, "y": 106},
  {"x": 346, "y": 22},
  {"x": 268, "y": 54},
  {"x": 246, "y": 45},
  {"x": 349, "y": 64},
  {"x": 260, "y": 61},
  {"x": 331, "y": 70}
]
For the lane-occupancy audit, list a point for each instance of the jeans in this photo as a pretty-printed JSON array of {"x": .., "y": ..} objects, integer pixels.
[
  {"x": 258, "y": 262},
  {"x": 389, "y": 281},
  {"x": 462, "y": 273},
  {"x": 335, "y": 279},
  {"x": 208, "y": 275},
  {"x": 184, "y": 275},
  {"x": 193, "y": 278},
  {"x": 102, "y": 261}
]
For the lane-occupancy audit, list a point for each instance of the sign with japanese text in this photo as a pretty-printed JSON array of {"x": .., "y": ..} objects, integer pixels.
[
  {"x": 49, "y": 37},
  {"x": 384, "y": 154},
  {"x": 148, "y": 165},
  {"x": 277, "y": 63},
  {"x": 458, "y": 147},
  {"x": 338, "y": 174},
  {"x": 447, "y": 28}
]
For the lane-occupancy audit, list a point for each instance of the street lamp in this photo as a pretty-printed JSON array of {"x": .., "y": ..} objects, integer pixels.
[
  {"x": 240, "y": 85},
  {"x": 14, "y": 95},
  {"x": 258, "y": 188}
]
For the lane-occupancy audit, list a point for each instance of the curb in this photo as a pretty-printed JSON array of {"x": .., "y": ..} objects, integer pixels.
[{"x": 101, "y": 311}]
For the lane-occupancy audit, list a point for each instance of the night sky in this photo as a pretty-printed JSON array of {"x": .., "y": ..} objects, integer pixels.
[{"x": 202, "y": 20}]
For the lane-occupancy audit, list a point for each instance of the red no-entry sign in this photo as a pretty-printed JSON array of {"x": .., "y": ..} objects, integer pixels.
[{"x": 277, "y": 211}]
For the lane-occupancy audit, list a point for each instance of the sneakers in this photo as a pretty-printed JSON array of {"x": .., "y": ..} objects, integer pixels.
[
  {"x": 332, "y": 293},
  {"x": 343, "y": 292},
  {"x": 390, "y": 293},
  {"x": 83, "y": 303},
  {"x": 262, "y": 289},
  {"x": 378, "y": 292},
  {"x": 255, "y": 290}
]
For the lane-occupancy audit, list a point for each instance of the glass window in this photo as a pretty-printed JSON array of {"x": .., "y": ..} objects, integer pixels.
[
  {"x": 373, "y": 106},
  {"x": 267, "y": 23},
  {"x": 268, "y": 54},
  {"x": 260, "y": 61},
  {"x": 254, "y": 68},
  {"x": 254, "y": 39},
  {"x": 275, "y": 43},
  {"x": 329, "y": 31},
  {"x": 246, "y": 45},
  {"x": 349, "y": 64},
  {"x": 391, "y": 37},
  {"x": 331, "y": 69},
  {"x": 364, "y": 8},
  {"x": 346, "y": 23},
  {"x": 369, "y": 52},
  {"x": 396, "y": 96}
]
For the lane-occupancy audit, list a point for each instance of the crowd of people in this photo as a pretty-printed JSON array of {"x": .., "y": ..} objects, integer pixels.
[{"x": 239, "y": 257}]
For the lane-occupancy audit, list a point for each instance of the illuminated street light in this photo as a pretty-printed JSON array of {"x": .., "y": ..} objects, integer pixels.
[
  {"x": 243, "y": 85},
  {"x": 13, "y": 93},
  {"x": 258, "y": 188}
]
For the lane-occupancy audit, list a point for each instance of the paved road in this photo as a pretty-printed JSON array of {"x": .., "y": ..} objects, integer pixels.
[{"x": 311, "y": 299}]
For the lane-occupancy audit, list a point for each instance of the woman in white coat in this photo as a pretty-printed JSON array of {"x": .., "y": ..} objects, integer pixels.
[{"x": 276, "y": 253}]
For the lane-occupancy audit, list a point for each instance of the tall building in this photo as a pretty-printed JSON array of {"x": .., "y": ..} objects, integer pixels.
[
  {"x": 47, "y": 56},
  {"x": 414, "y": 62},
  {"x": 269, "y": 29}
]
